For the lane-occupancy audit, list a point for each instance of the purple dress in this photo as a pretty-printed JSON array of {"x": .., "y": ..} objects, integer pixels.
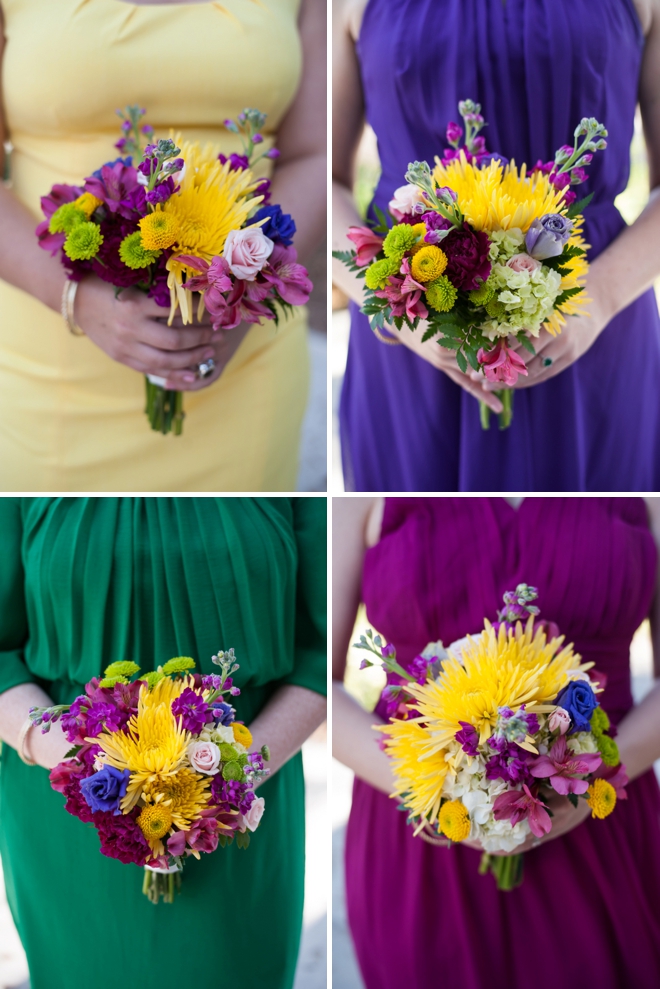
[
  {"x": 537, "y": 67},
  {"x": 588, "y": 912}
]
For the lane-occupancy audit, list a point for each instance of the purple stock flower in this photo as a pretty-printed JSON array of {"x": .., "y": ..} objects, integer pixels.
[
  {"x": 387, "y": 651},
  {"x": 213, "y": 681},
  {"x": 112, "y": 184},
  {"x": 547, "y": 236},
  {"x": 434, "y": 222},
  {"x": 263, "y": 189},
  {"x": 454, "y": 133},
  {"x": 106, "y": 717},
  {"x": 236, "y": 162},
  {"x": 419, "y": 668},
  {"x": 578, "y": 175},
  {"x": 192, "y": 709},
  {"x": 232, "y": 793},
  {"x": 161, "y": 192},
  {"x": 468, "y": 738}
]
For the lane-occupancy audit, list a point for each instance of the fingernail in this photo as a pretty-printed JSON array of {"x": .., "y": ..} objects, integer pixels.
[{"x": 189, "y": 378}]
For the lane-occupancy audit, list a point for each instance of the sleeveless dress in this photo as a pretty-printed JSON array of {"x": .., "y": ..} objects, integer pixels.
[
  {"x": 537, "y": 67},
  {"x": 86, "y": 581},
  {"x": 71, "y": 418},
  {"x": 588, "y": 911}
]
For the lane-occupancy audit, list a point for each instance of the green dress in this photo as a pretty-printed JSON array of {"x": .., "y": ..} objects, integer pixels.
[{"x": 86, "y": 581}]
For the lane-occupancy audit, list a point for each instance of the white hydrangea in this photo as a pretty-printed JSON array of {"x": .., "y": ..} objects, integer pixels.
[
  {"x": 220, "y": 734},
  {"x": 505, "y": 243},
  {"x": 582, "y": 742}
]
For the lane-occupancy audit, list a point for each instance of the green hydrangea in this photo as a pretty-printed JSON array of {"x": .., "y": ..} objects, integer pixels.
[
  {"x": 522, "y": 300},
  {"x": 609, "y": 750},
  {"x": 65, "y": 218},
  {"x": 599, "y": 721},
  {"x": 232, "y": 771},
  {"x": 441, "y": 294},
  {"x": 111, "y": 681},
  {"x": 134, "y": 254},
  {"x": 505, "y": 243},
  {"x": 84, "y": 241},
  {"x": 123, "y": 668},
  {"x": 377, "y": 273},
  {"x": 482, "y": 295},
  {"x": 399, "y": 240},
  {"x": 178, "y": 665}
]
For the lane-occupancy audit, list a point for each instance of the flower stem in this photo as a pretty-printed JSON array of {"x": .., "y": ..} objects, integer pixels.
[
  {"x": 507, "y": 870},
  {"x": 164, "y": 409},
  {"x": 506, "y": 415},
  {"x": 484, "y": 415}
]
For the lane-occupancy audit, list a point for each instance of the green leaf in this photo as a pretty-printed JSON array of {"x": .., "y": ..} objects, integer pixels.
[
  {"x": 565, "y": 295},
  {"x": 73, "y": 752},
  {"x": 384, "y": 222},
  {"x": 526, "y": 342},
  {"x": 449, "y": 343},
  {"x": 345, "y": 256},
  {"x": 571, "y": 251},
  {"x": 573, "y": 798},
  {"x": 242, "y": 840},
  {"x": 472, "y": 358},
  {"x": 398, "y": 322},
  {"x": 461, "y": 361},
  {"x": 579, "y": 206}
]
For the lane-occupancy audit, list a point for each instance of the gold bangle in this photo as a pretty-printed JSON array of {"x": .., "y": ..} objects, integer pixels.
[
  {"x": 68, "y": 301},
  {"x": 389, "y": 340},
  {"x": 20, "y": 743}
]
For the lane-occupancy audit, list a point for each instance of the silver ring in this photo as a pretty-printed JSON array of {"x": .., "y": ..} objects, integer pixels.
[{"x": 206, "y": 368}]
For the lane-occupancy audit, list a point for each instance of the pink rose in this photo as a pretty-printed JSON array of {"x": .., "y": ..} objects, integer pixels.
[
  {"x": 559, "y": 719},
  {"x": 246, "y": 252},
  {"x": 254, "y": 815},
  {"x": 204, "y": 757},
  {"x": 404, "y": 200},
  {"x": 523, "y": 262}
]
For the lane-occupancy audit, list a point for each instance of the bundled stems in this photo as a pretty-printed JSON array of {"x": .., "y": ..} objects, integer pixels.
[
  {"x": 507, "y": 869},
  {"x": 505, "y": 417},
  {"x": 157, "y": 885},
  {"x": 164, "y": 409}
]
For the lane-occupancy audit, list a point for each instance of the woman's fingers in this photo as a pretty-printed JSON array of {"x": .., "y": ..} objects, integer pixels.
[
  {"x": 489, "y": 398},
  {"x": 162, "y": 363},
  {"x": 190, "y": 381},
  {"x": 170, "y": 338}
]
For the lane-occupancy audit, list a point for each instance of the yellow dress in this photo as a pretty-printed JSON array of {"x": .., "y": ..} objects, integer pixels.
[{"x": 72, "y": 419}]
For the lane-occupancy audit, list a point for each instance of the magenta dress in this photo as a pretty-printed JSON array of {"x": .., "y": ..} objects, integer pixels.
[
  {"x": 537, "y": 67},
  {"x": 588, "y": 912}
]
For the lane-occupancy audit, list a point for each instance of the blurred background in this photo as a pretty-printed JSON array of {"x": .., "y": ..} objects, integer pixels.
[
  {"x": 365, "y": 686},
  {"x": 313, "y": 469},
  {"x": 312, "y": 963},
  {"x": 630, "y": 203}
]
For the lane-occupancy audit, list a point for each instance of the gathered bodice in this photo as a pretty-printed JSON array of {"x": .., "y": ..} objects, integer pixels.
[
  {"x": 69, "y": 65},
  {"x": 443, "y": 564},
  {"x": 536, "y": 66}
]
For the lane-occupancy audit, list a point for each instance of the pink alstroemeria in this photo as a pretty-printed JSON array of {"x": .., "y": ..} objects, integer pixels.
[
  {"x": 404, "y": 294},
  {"x": 618, "y": 777},
  {"x": 563, "y": 769},
  {"x": 367, "y": 244},
  {"x": 520, "y": 805},
  {"x": 289, "y": 278},
  {"x": 501, "y": 363}
]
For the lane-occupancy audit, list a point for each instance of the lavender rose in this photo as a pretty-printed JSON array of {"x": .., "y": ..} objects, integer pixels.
[{"x": 547, "y": 237}]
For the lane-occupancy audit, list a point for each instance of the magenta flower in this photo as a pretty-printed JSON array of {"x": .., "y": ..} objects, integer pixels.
[
  {"x": 287, "y": 277},
  {"x": 367, "y": 244},
  {"x": 501, "y": 363},
  {"x": 404, "y": 294},
  {"x": 192, "y": 709},
  {"x": 563, "y": 769},
  {"x": 454, "y": 134},
  {"x": 468, "y": 738},
  {"x": 520, "y": 805},
  {"x": 113, "y": 185}
]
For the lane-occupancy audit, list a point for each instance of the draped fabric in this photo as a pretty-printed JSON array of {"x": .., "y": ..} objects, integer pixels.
[
  {"x": 71, "y": 418},
  {"x": 590, "y": 900},
  {"x": 87, "y": 581},
  {"x": 537, "y": 67}
]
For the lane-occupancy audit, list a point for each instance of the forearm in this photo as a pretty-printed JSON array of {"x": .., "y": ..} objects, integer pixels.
[
  {"x": 345, "y": 215},
  {"x": 287, "y": 720},
  {"x": 355, "y": 743},
  {"x": 46, "y": 749},
  {"x": 299, "y": 187},
  {"x": 638, "y": 738},
  {"x": 22, "y": 262},
  {"x": 631, "y": 263}
]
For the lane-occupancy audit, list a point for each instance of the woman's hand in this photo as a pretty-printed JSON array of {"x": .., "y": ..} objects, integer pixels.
[
  {"x": 225, "y": 343},
  {"x": 47, "y": 749},
  {"x": 132, "y": 329},
  {"x": 445, "y": 360}
]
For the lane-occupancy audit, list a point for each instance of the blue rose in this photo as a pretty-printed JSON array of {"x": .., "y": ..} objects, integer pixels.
[
  {"x": 279, "y": 226},
  {"x": 547, "y": 237},
  {"x": 104, "y": 789},
  {"x": 579, "y": 700}
]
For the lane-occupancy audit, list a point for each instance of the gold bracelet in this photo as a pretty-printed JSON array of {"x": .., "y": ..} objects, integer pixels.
[
  {"x": 20, "y": 743},
  {"x": 68, "y": 300},
  {"x": 389, "y": 340}
]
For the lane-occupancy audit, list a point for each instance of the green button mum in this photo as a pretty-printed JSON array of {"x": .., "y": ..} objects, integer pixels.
[
  {"x": 65, "y": 218},
  {"x": 134, "y": 254},
  {"x": 377, "y": 273},
  {"x": 83, "y": 242},
  {"x": 441, "y": 294}
]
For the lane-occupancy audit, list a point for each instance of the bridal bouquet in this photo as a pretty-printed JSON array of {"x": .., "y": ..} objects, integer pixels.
[
  {"x": 486, "y": 253},
  {"x": 183, "y": 220},
  {"x": 159, "y": 766},
  {"x": 482, "y": 732}
]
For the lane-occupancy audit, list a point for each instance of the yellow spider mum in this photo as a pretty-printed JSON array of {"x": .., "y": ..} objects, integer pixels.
[
  {"x": 497, "y": 198},
  {"x": 155, "y": 744},
  {"x": 185, "y": 794},
  {"x": 576, "y": 278},
  {"x": 601, "y": 797},
  {"x": 211, "y": 202},
  {"x": 417, "y": 777},
  {"x": 428, "y": 263},
  {"x": 454, "y": 820},
  {"x": 242, "y": 735}
]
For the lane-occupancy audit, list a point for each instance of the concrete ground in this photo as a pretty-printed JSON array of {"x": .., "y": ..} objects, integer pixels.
[{"x": 311, "y": 972}]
